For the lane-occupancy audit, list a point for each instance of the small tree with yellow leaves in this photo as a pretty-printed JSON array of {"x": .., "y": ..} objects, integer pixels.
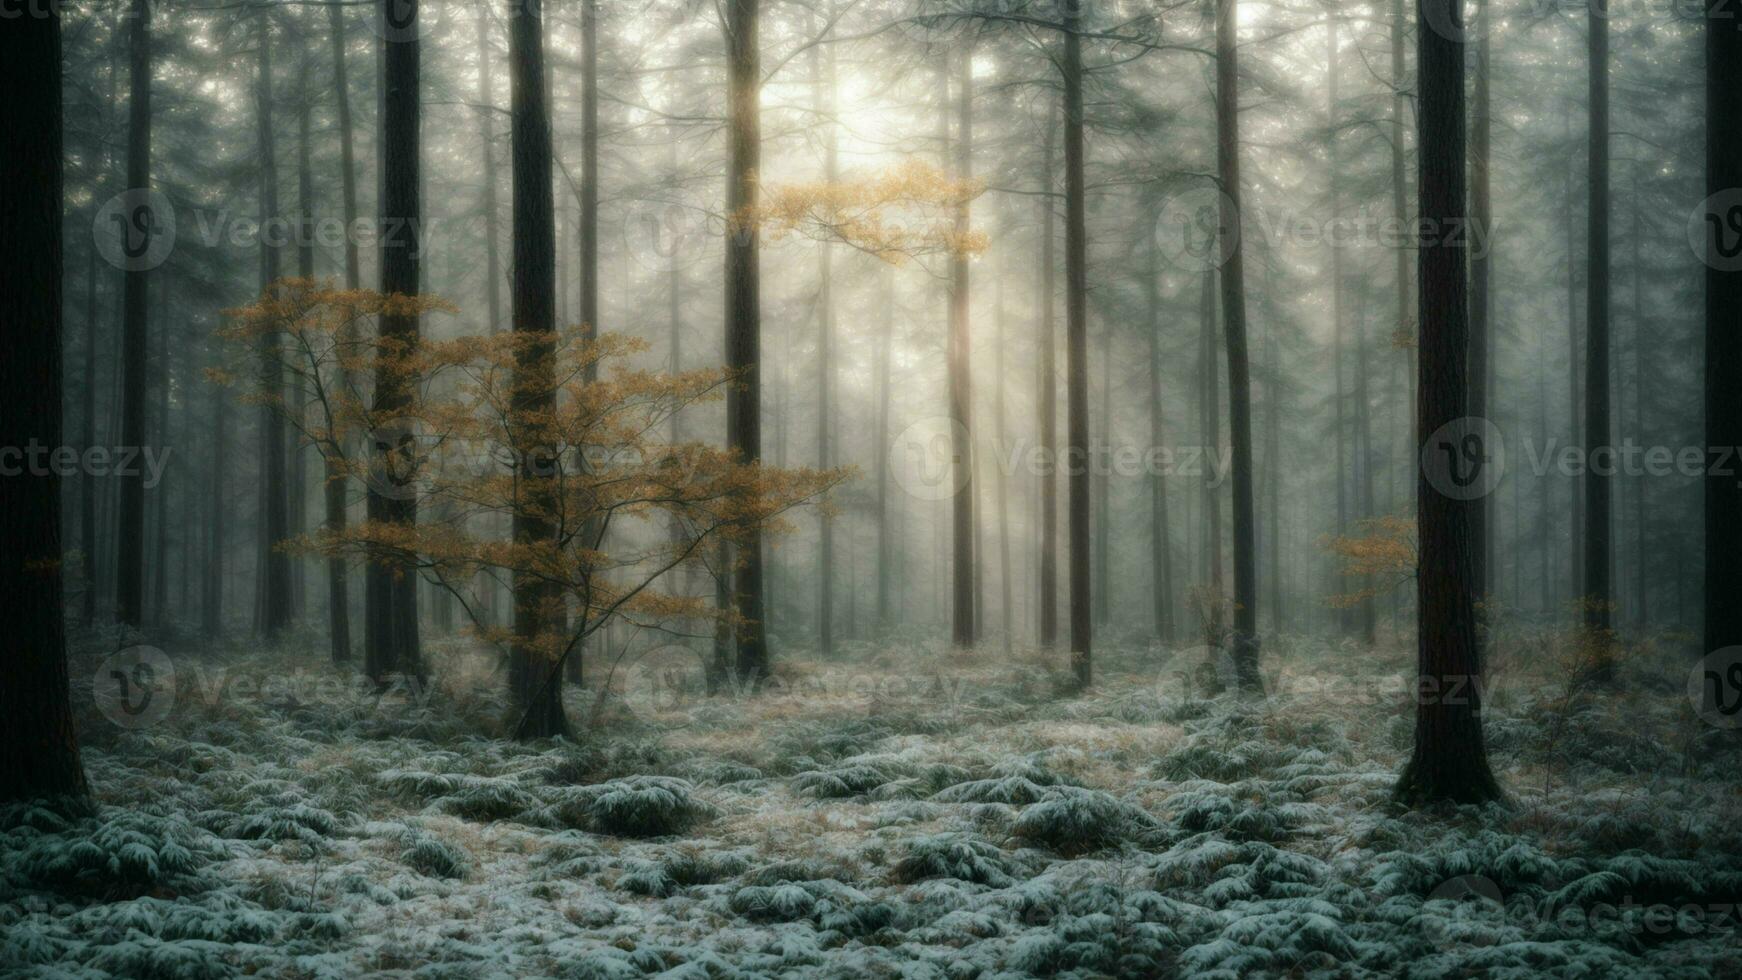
[
  {"x": 1381, "y": 557},
  {"x": 578, "y": 466}
]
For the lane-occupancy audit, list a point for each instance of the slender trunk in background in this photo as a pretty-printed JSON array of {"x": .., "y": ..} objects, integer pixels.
[
  {"x": 1076, "y": 351},
  {"x": 1049, "y": 508},
  {"x": 160, "y": 492},
  {"x": 1367, "y": 613},
  {"x": 1575, "y": 372},
  {"x": 1245, "y": 634},
  {"x": 533, "y": 673},
  {"x": 273, "y": 586},
  {"x": 212, "y": 597},
  {"x": 1005, "y": 593},
  {"x": 390, "y": 627},
  {"x": 487, "y": 139},
  {"x": 1334, "y": 178},
  {"x": 41, "y": 760},
  {"x": 1273, "y": 471},
  {"x": 744, "y": 312},
  {"x": 1546, "y": 527},
  {"x": 1641, "y": 607},
  {"x": 1450, "y": 760},
  {"x": 305, "y": 269},
  {"x": 1103, "y": 489},
  {"x": 1481, "y": 272},
  {"x": 1598, "y": 593},
  {"x": 1160, "y": 544},
  {"x": 1210, "y": 425},
  {"x": 130, "y": 554},
  {"x": 1403, "y": 331},
  {"x": 1723, "y": 342},
  {"x": 823, "y": 100},
  {"x": 347, "y": 161},
  {"x": 885, "y": 536},
  {"x": 963, "y": 631},
  {"x": 588, "y": 240},
  {"x": 88, "y": 438}
]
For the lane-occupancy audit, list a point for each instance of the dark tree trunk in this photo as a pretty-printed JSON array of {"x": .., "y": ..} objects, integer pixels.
[
  {"x": 885, "y": 537},
  {"x": 1210, "y": 427},
  {"x": 1597, "y": 591},
  {"x": 390, "y": 627},
  {"x": 1723, "y": 382},
  {"x": 1450, "y": 761},
  {"x": 1404, "y": 327},
  {"x": 1481, "y": 271},
  {"x": 41, "y": 760},
  {"x": 1101, "y": 479},
  {"x": 1160, "y": 543},
  {"x": 534, "y": 676},
  {"x": 1575, "y": 373},
  {"x": 160, "y": 492},
  {"x": 88, "y": 438},
  {"x": 1345, "y": 619},
  {"x": 274, "y": 583},
  {"x": 744, "y": 313},
  {"x": 1077, "y": 353},
  {"x": 1049, "y": 484},
  {"x": 823, "y": 84},
  {"x": 212, "y": 596},
  {"x": 963, "y": 631},
  {"x": 130, "y": 555},
  {"x": 1245, "y": 635},
  {"x": 335, "y": 489},
  {"x": 487, "y": 137}
]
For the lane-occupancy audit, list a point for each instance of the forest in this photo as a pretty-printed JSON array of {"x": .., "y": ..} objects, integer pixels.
[{"x": 958, "y": 489}]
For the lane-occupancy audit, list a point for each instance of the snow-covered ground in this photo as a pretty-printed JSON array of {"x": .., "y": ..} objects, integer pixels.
[{"x": 900, "y": 811}]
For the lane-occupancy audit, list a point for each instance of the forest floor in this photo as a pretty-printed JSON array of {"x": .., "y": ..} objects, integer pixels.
[{"x": 896, "y": 811}]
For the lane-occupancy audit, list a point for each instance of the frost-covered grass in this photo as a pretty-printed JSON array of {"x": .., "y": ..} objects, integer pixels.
[{"x": 909, "y": 812}]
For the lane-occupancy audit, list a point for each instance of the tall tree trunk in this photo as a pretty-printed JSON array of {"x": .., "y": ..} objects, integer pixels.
[
  {"x": 390, "y": 627},
  {"x": 273, "y": 585},
  {"x": 1160, "y": 543},
  {"x": 1450, "y": 760},
  {"x": 1102, "y": 482},
  {"x": 1367, "y": 613},
  {"x": 1049, "y": 508},
  {"x": 963, "y": 632},
  {"x": 487, "y": 139},
  {"x": 1575, "y": 372},
  {"x": 335, "y": 487},
  {"x": 1334, "y": 175},
  {"x": 305, "y": 269},
  {"x": 885, "y": 531},
  {"x": 744, "y": 312},
  {"x": 1245, "y": 635},
  {"x": 41, "y": 760},
  {"x": 347, "y": 162},
  {"x": 1481, "y": 271},
  {"x": 88, "y": 438},
  {"x": 823, "y": 85},
  {"x": 1273, "y": 472},
  {"x": 212, "y": 596},
  {"x": 1723, "y": 343},
  {"x": 1641, "y": 607},
  {"x": 1005, "y": 605},
  {"x": 1597, "y": 591},
  {"x": 1403, "y": 331},
  {"x": 160, "y": 492},
  {"x": 130, "y": 555},
  {"x": 534, "y": 681},
  {"x": 1076, "y": 351},
  {"x": 1210, "y": 428}
]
